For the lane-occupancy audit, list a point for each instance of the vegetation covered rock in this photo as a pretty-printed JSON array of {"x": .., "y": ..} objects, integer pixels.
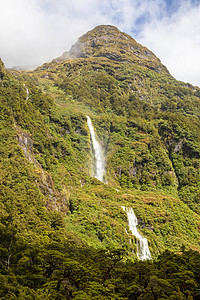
[{"x": 63, "y": 232}]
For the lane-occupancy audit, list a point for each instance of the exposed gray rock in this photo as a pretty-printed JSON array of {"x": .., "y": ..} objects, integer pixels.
[{"x": 178, "y": 146}]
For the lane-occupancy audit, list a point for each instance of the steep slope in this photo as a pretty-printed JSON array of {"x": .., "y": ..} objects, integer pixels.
[
  {"x": 148, "y": 124},
  {"x": 110, "y": 42},
  {"x": 157, "y": 141}
]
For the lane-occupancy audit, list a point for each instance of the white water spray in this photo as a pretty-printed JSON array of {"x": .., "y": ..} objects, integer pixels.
[
  {"x": 27, "y": 94},
  {"x": 143, "y": 252},
  {"x": 98, "y": 153}
]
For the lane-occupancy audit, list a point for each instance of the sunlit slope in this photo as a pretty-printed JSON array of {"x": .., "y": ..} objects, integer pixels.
[
  {"x": 148, "y": 122},
  {"x": 148, "y": 125}
]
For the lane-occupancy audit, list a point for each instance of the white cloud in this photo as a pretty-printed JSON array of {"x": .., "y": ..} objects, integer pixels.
[
  {"x": 20, "y": 22},
  {"x": 176, "y": 42},
  {"x": 36, "y": 31}
]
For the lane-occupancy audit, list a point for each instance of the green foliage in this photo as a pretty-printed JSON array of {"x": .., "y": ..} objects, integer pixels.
[
  {"x": 71, "y": 271},
  {"x": 61, "y": 231}
]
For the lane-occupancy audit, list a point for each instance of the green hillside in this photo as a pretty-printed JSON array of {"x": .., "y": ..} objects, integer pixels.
[{"x": 64, "y": 234}]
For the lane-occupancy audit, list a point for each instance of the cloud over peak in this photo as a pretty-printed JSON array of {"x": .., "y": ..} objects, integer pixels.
[{"x": 35, "y": 31}]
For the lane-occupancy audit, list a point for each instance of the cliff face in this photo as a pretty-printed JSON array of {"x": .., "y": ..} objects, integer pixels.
[
  {"x": 63, "y": 233},
  {"x": 146, "y": 122}
]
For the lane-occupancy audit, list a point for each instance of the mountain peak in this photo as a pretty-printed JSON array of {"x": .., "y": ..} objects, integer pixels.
[
  {"x": 105, "y": 29},
  {"x": 109, "y": 42}
]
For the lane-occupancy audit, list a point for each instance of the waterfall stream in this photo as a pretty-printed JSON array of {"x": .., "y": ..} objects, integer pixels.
[
  {"x": 27, "y": 93},
  {"x": 98, "y": 153},
  {"x": 143, "y": 252}
]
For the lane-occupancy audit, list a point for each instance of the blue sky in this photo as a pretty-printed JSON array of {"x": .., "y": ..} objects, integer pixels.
[{"x": 36, "y": 31}]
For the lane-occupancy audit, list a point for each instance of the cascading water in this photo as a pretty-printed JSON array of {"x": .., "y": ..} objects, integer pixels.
[
  {"x": 27, "y": 93},
  {"x": 98, "y": 153},
  {"x": 143, "y": 252}
]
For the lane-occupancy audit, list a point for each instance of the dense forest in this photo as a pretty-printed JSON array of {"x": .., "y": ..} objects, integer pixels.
[{"x": 63, "y": 233}]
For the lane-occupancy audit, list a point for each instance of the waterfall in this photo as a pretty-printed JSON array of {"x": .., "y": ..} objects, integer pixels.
[
  {"x": 143, "y": 252},
  {"x": 27, "y": 93},
  {"x": 98, "y": 154}
]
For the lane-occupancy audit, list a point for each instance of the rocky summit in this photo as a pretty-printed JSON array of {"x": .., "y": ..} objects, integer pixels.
[
  {"x": 109, "y": 42},
  {"x": 100, "y": 172}
]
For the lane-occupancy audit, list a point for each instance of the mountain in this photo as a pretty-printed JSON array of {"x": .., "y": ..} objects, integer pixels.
[
  {"x": 109, "y": 42},
  {"x": 64, "y": 234}
]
